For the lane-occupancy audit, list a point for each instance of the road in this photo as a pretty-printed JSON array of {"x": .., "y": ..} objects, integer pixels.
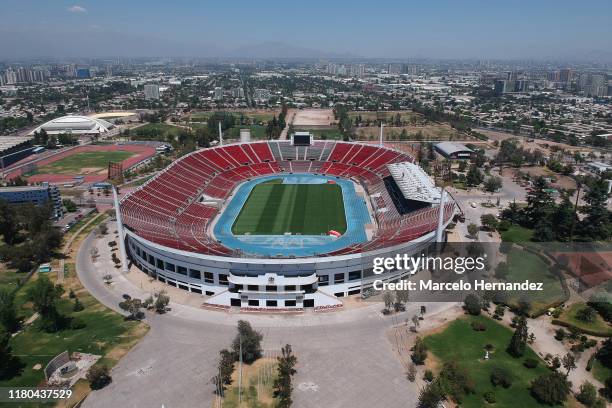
[{"x": 344, "y": 358}]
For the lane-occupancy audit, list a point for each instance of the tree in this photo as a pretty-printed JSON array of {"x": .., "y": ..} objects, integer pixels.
[
  {"x": 540, "y": 203},
  {"x": 489, "y": 221},
  {"x": 518, "y": 342},
  {"x": 473, "y": 230},
  {"x": 78, "y": 306},
  {"x": 44, "y": 296},
  {"x": 430, "y": 396},
  {"x": 282, "y": 383},
  {"x": 419, "y": 352},
  {"x": 472, "y": 304},
  {"x": 474, "y": 176},
  {"x": 8, "y": 313},
  {"x": 493, "y": 184},
  {"x": 161, "y": 303},
  {"x": 224, "y": 370},
  {"x": 569, "y": 362},
  {"x": 586, "y": 314},
  {"x": 597, "y": 223},
  {"x": 10, "y": 365},
  {"x": 251, "y": 342},
  {"x": 132, "y": 307},
  {"x": 563, "y": 219},
  {"x": 388, "y": 300},
  {"x": 455, "y": 381},
  {"x": 587, "y": 394},
  {"x": 551, "y": 389},
  {"x": 501, "y": 376},
  {"x": 604, "y": 355},
  {"x": 98, "y": 377}
]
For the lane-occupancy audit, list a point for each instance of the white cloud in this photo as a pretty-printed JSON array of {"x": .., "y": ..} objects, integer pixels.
[{"x": 77, "y": 9}]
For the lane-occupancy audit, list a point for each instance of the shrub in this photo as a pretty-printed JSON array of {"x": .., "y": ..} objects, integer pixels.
[
  {"x": 501, "y": 376},
  {"x": 530, "y": 363},
  {"x": 98, "y": 377},
  {"x": 428, "y": 376},
  {"x": 478, "y": 326},
  {"x": 587, "y": 394},
  {"x": 472, "y": 304},
  {"x": 551, "y": 389},
  {"x": 560, "y": 334},
  {"x": 489, "y": 396},
  {"x": 419, "y": 352}
]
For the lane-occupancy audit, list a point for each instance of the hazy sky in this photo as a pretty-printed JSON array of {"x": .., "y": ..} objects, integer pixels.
[{"x": 425, "y": 28}]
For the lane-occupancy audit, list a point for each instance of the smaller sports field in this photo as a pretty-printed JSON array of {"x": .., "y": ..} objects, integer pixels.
[
  {"x": 274, "y": 208},
  {"x": 84, "y": 162}
]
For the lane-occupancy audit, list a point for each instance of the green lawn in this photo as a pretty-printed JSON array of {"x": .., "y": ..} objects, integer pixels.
[
  {"x": 460, "y": 343},
  {"x": 104, "y": 329},
  {"x": 599, "y": 325},
  {"x": 84, "y": 162},
  {"x": 517, "y": 234},
  {"x": 309, "y": 209},
  {"x": 332, "y": 133},
  {"x": 600, "y": 372},
  {"x": 257, "y": 132},
  {"x": 156, "y": 131},
  {"x": 524, "y": 265}
]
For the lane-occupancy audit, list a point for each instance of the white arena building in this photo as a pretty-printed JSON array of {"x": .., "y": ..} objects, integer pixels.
[{"x": 75, "y": 124}]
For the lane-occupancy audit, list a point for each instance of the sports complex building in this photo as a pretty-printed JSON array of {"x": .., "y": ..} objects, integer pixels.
[{"x": 281, "y": 224}]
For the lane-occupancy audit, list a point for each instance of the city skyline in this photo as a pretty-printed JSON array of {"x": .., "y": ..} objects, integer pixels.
[{"x": 467, "y": 30}]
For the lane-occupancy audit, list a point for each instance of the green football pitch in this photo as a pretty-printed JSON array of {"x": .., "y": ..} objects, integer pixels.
[{"x": 307, "y": 209}]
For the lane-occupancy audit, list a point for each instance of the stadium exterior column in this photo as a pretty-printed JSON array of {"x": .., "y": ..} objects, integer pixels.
[{"x": 124, "y": 264}]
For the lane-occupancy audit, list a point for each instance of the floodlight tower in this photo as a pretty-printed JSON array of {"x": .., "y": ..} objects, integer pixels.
[
  {"x": 220, "y": 135},
  {"x": 122, "y": 252},
  {"x": 381, "y": 134},
  {"x": 440, "y": 229}
]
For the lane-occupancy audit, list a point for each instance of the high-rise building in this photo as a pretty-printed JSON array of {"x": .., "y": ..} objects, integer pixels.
[
  {"x": 151, "y": 91},
  {"x": 218, "y": 95},
  {"x": 500, "y": 87},
  {"x": 565, "y": 75},
  {"x": 83, "y": 73}
]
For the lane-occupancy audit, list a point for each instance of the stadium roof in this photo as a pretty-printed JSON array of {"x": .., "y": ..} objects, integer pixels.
[
  {"x": 414, "y": 183},
  {"x": 448, "y": 148},
  {"x": 75, "y": 124},
  {"x": 8, "y": 142}
]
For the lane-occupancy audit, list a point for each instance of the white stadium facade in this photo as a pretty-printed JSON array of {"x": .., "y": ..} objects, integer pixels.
[{"x": 171, "y": 223}]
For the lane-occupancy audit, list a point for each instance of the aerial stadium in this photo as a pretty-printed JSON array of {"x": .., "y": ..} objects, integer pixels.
[{"x": 281, "y": 224}]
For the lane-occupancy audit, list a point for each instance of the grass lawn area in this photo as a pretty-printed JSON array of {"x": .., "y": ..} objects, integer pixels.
[
  {"x": 84, "y": 162},
  {"x": 257, "y": 117},
  {"x": 599, "y": 325},
  {"x": 104, "y": 330},
  {"x": 264, "y": 369},
  {"x": 106, "y": 333},
  {"x": 155, "y": 131},
  {"x": 332, "y": 133},
  {"x": 522, "y": 266},
  {"x": 257, "y": 132},
  {"x": 600, "y": 372},
  {"x": 517, "y": 234},
  {"x": 460, "y": 343},
  {"x": 274, "y": 209}
]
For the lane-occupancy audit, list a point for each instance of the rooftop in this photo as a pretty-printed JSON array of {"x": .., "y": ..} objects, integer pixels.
[{"x": 414, "y": 183}]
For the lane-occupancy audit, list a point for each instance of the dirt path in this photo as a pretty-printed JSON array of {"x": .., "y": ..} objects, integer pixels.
[
  {"x": 545, "y": 343},
  {"x": 288, "y": 122}
]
